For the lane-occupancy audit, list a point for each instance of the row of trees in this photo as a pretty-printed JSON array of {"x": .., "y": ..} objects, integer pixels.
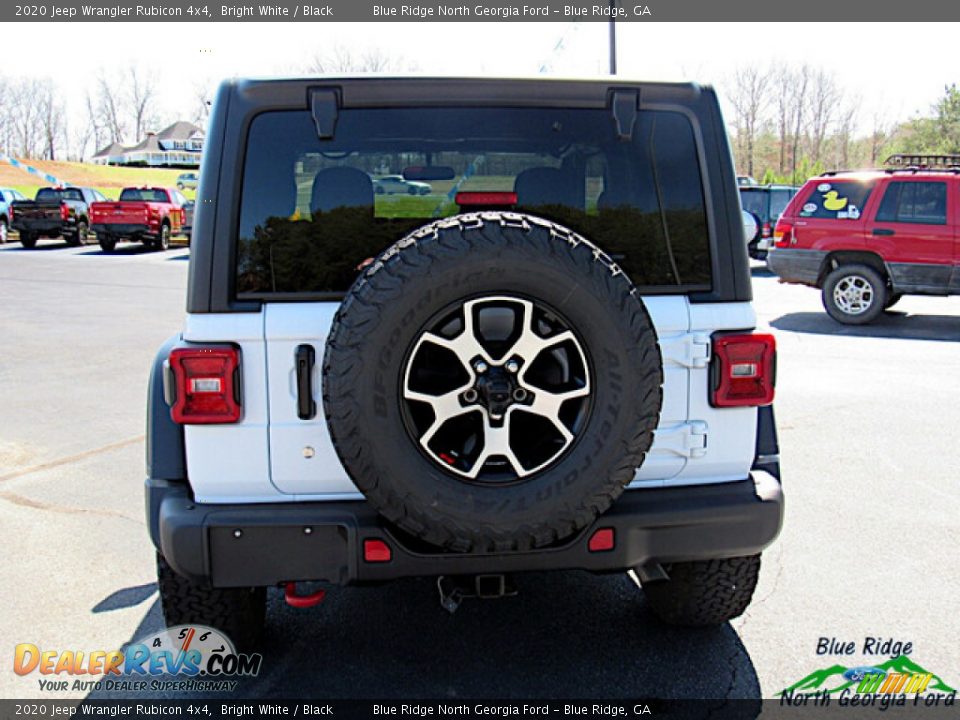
[
  {"x": 789, "y": 123},
  {"x": 117, "y": 107},
  {"x": 32, "y": 117},
  {"x": 122, "y": 106}
]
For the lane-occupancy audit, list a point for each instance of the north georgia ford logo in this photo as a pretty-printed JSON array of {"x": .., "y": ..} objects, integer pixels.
[{"x": 190, "y": 651}]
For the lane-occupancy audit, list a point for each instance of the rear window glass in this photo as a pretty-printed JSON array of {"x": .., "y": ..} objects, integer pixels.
[
  {"x": 755, "y": 202},
  {"x": 59, "y": 194},
  {"x": 837, "y": 200},
  {"x": 914, "y": 202},
  {"x": 313, "y": 211},
  {"x": 779, "y": 199},
  {"x": 144, "y": 195}
]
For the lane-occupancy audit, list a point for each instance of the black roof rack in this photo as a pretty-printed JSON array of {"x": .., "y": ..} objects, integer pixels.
[{"x": 915, "y": 162}]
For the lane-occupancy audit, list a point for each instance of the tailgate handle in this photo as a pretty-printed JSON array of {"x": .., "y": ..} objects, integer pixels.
[
  {"x": 883, "y": 231},
  {"x": 305, "y": 358}
]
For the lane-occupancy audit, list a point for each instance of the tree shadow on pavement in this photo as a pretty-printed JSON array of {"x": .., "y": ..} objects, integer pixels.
[
  {"x": 565, "y": 635},
  {"x": 892, "y": 325}
]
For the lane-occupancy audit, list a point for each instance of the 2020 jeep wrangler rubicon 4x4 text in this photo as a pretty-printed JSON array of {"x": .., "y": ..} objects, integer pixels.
[{"x": 543, "y": 361}]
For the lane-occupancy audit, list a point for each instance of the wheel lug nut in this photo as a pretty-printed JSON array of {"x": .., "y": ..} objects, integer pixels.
[
  {"x": 519, "y": 394},
  {"x": 480, "y": 366},
  {"x": 470, "y": 395},
  {"x": 512, "y": 366}
]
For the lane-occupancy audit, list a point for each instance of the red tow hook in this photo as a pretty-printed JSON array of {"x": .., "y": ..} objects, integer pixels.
[{"x": 301, "y": 601}]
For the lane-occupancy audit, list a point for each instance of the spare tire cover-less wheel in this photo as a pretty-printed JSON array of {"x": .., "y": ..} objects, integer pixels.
[{"x": 491, "y": 382}]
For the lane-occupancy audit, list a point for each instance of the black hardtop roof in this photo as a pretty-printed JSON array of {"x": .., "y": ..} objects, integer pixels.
[{"x": 395, "y": 90}]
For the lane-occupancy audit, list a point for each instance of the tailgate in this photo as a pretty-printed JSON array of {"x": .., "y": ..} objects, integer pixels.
[
  {"x": 36, "y": 211},
  {"x": 125, "y": 213}
]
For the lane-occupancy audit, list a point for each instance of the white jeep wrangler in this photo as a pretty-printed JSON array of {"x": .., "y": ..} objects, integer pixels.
[{"x": 546, "y": 361}]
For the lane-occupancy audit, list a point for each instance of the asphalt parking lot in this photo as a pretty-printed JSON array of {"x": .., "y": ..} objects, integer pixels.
[{"x": 867, "y": 419}]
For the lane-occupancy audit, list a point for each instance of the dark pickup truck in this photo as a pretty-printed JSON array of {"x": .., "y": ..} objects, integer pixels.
[{"x": 55, "y": 212}]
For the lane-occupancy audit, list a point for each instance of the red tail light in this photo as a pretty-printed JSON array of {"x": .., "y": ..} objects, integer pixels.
[
  {"x": 783, "y": 234},
  {"x": 765, "y": 230},
  {"x": 64, "y": 211},
  {"x": 744, "y": 368},
  {"x": 206, "y": 381}
]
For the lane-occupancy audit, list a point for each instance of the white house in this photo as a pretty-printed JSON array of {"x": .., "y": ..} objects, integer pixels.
[{"x": 178, "y": 145}]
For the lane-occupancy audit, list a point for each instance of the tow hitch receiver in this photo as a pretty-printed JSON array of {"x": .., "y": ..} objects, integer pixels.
[
  {"x": 455, "y": 589},
  {"x": 301, "y": 601}
]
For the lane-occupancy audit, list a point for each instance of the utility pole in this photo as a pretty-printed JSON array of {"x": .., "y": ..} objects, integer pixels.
[{"x": 613, "y": 38}]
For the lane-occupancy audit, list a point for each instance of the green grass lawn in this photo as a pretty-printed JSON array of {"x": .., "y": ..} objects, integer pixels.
[{"x": 107, "y": 179}]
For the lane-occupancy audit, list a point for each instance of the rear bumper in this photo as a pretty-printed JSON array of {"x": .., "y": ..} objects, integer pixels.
[
  {"x": 796, "y": 266},
  {"x": 253, "y": 545},
  {"x": 41, "y": 227},
  {"x": 123, "y": 229}
]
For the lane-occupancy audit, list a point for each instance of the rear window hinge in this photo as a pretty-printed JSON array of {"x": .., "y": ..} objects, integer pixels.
[
  {"x": 687, "y": 440},
  {"x": 625, "y": 104},
  {"x": 325, "y": 108}
]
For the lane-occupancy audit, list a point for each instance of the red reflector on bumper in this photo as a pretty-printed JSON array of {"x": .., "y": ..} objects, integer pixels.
[
  {"x": 376, "y": 551},
  {"x": 602, "y": 540}
]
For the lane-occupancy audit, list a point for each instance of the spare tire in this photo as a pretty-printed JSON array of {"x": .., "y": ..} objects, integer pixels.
[{"x": 491, "y": 382}]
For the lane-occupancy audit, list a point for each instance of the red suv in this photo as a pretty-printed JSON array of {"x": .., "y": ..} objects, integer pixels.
[{"x": 868, "y": 238}]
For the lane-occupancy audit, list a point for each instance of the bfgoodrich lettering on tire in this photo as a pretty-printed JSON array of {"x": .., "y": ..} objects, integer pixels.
[{"x": 491, "y": 382}]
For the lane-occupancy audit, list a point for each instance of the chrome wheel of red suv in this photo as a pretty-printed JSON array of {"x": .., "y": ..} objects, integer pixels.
[{"x": 854, "y": 294}]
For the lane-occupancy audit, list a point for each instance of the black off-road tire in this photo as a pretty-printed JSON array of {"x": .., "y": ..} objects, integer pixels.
[
  {"x": 448, "y": 262},
  {"x": 108, "y": 243},
  {"x": 879, "y": 290},
  {"x": 892, "y": 299},
  {"x": 4, "y": 231},
  {"x": 704, "y": 593},
  {"x": 82, "y": 234},
  {"x": 28, "y": 239},
  {"x": 240, "y": 613}
]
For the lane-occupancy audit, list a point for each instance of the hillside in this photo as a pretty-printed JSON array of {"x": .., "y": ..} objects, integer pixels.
[{"x": 105, "y": 178}]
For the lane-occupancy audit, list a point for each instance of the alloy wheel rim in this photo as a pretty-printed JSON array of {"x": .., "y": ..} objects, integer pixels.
[
  {"x": 853, "y": 295},
  {"x": 496, "y": 389}
]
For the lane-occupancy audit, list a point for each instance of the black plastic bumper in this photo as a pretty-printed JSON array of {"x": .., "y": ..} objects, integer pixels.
[
  {"x": 51, "y": 228},
  {"x": 796, "y": 266},
  {"x": 123, "y": 229},
  {"x": 247, "y": 545}
]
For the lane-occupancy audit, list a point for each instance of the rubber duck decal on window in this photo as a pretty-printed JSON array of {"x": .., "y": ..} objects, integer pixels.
[{"x": 833, "y": 202}]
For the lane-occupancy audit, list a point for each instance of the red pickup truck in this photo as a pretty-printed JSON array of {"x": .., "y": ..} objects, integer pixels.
[
  {"x": 149, "y": 215},
  {"x": 867, "y": 238}
]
